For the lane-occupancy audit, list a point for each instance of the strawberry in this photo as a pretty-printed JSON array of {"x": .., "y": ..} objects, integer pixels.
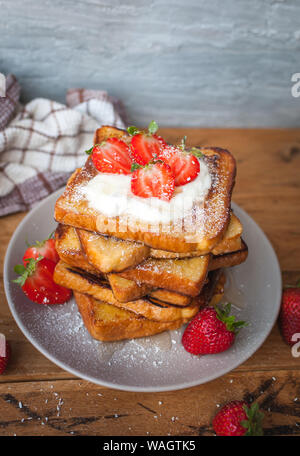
[
  {"x": 236, "y": 418},
  {"x": 212, "y": 330},
  {"x": 155, "y": 179},
  {"x": 36, "y": 280},
  {"x": 184, "y": 163},
  {"x": 145, "y": 145},
  {"x": 111, "y": 156},
  {"x": 45, "y": 248},
  {"x": 289, "y": 319},
  {"x": 4, "y": 359}
]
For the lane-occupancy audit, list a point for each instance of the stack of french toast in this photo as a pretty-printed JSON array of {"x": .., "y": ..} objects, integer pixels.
[{"x": 133, "y": 280}]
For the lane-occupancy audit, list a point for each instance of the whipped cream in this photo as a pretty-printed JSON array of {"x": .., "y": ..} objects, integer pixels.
[{"x": 111, "y": 195}]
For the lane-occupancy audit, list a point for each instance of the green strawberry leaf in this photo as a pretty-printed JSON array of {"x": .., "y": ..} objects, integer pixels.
[
  {"x": 195, "y": 151},
  {"x": 89, "y": 151},
  {"x": 133, "y": 130},
  {"x": 254, "y": 422},
  {"x": 153, "y": 127},
  {"x": 229, "y": 320},
  {"x": 19, "y": 269},
  {"x": 25, "y": 272},
  {"x": 135, "y": 166}
]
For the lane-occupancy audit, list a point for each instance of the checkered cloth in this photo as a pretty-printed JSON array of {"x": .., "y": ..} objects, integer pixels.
[{"x": 42, "y": 142}]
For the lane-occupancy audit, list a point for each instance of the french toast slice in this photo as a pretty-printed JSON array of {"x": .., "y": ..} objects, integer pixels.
[
  {"x": 150, "y": 308},
  {"x": 227, "y": 260},
  {"x": 109, "y": 254},
  {"x": 128, "y": 290},
  {"x": 108, "y": 323},
  {"x": 229, "y": 243},
  {"x": 186, "y": 276},
  {"x": 68, "y": 247},
  {"x": 72, "y": 208},
  {"x": 70, "y": 251}
]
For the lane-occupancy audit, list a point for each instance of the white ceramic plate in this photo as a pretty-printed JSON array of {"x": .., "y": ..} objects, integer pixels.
[{"x": 157, "y": 363}]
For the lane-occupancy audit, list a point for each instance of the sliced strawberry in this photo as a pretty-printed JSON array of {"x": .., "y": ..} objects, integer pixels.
[
  {"x": 155, "y": 179},
  {"x": 145, "y": 145},
  {"x": 112, "y": 156},
  {"x": 36, "y": 280},
  {"x": 45, "y": 248},
  {"x": 184, "y": 165}
]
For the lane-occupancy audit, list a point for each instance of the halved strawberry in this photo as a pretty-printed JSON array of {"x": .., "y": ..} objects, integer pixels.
[
  {"x": 112, "y": 156},
  {"x": 184, "y": 164},
  {"x": 155, "y": 179},
  {"x": 45, "y": 248},
  {"x": 36, "y": 280},
  {"x": 145, "y": 145}
]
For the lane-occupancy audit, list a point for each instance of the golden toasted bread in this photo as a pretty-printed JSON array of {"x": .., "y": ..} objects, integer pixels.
[
  {"x": 127, "y": 290},
  {"x": 70, "y": 251},
  {"x": 109, "y": 323},
  {"x": 227, "y": 260},
  {"x": 72, "y": 207},
  {"x": 68, "y": 247},
  {"x": 186, "y": 276},
  {"x": 109, "y": 254},
  {"x": 230, "y": 243},
  {"x": 150, "y": 308}
]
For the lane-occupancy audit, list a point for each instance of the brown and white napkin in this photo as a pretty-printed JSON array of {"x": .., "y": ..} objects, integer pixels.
[{"x": 42, "y": 142}]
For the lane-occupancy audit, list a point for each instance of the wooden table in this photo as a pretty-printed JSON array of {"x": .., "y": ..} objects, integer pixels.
[{"x": 38, "y": 398}]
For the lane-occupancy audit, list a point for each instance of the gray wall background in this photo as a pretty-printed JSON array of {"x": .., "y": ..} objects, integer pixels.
[{"x": 181, "y": 62}]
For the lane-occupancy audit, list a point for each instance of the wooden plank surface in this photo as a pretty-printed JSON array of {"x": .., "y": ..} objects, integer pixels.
[{"x": 38, "y": 398}]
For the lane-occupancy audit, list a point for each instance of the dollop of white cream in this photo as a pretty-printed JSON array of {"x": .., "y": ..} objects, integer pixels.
[{"x": 110, "y": 194}]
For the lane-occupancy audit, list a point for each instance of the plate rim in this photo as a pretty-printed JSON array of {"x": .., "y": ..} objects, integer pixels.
[{"x": 77, "y": 373}]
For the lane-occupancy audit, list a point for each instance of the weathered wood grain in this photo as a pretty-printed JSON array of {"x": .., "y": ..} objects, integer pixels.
[
  {"x": 78, "y": 408},
  {"x": 182, "y": 63},
  {"x": 268, "y": 187}
]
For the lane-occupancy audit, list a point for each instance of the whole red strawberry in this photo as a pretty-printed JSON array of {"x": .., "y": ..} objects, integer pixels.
[
  {"x": 212, "y": 330},
  {"x": 4, "y": 359},
  {"x": 236, "y": 419},
  {"x": 36, "y": 280},
  {"x": 289, "y": 318},
  {"x": 145, "y": 145},
  {"x": 45, "y": 248}
]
